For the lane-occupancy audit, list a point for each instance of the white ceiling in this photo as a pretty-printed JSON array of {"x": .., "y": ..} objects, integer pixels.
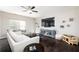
[
  {"x": 42, "y": 10},
  {"x": 18, "y": 10}
]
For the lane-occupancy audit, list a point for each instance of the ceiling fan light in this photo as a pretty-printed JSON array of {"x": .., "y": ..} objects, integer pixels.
[{"x": 30, "y": 12}]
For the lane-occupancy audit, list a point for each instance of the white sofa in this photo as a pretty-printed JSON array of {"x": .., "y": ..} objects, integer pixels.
[{"x": 19, "y": 41}]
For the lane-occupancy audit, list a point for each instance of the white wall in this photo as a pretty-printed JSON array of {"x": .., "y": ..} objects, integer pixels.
[
  {"x": 5, "y": 17},
  {"x": 0, "y": 28},
  {"x": 60, "y": 14}
]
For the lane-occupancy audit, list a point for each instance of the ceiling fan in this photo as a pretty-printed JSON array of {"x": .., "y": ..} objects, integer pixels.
[{"x": 29, "y": 8}]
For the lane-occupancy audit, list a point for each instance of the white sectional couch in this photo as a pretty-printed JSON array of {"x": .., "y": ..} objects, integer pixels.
[{"x": 18, "y": 41}]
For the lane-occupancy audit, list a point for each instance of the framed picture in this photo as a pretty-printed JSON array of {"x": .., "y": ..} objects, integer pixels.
[
  {"x": 61, "y": 26},
  {"x": 71, "y": 19},
  {"x": 63, "y": 21},
  {"x": 68, "y": 25}
]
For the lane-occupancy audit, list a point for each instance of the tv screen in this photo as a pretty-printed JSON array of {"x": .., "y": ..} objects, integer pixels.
[{"x": 48, "y": 22}]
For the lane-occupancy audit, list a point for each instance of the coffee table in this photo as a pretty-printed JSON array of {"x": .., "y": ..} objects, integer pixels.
[{"x": 35, "y": 47}]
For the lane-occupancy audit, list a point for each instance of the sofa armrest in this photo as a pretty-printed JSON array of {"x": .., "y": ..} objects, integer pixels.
[{"x": 19, "y": 46}]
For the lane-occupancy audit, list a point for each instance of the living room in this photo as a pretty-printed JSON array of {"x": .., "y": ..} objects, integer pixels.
[{"x": 20, "y": 19}]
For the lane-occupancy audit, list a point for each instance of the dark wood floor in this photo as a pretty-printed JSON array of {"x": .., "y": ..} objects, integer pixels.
[
  {"x": 50, "y": 45},
  {"x": 54, "y": 45},
  {"x": 4, "y": 46}
]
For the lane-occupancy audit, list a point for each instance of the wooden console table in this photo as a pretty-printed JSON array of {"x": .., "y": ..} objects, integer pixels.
[{"x": 70, "y": 39}]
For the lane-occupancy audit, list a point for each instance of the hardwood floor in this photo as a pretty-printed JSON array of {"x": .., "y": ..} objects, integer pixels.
[
  {"x": 4, "y": 46},
  {"x": 50, "y": 45},
  {"x": 54, "y": 45}
]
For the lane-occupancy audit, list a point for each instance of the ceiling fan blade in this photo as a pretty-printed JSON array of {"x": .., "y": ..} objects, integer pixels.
[
  {"x": 24, "y": 7},
  {"x": 34, "y": 11},
  {"x": 32, "y": 7},
  {"x": 29, "y": 8}
]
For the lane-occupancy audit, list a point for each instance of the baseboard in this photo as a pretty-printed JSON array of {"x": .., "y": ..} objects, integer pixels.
[{"x": 2, "y": 38}]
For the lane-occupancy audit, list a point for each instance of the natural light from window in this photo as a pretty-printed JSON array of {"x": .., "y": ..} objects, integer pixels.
[{"x": 17, "y": 24}]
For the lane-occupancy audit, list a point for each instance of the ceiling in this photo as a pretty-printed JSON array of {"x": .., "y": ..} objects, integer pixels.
[
  {"x": 42, "y": 10},
  {"x": 19, "y": 10}
]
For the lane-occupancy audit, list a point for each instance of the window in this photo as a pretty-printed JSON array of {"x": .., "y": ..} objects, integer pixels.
[
  {"x": 17, "y": 24},
  {"x": 22, "y": 25}
]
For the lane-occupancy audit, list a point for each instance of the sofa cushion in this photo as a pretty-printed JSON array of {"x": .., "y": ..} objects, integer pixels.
[{"x": 18, "y": 37}]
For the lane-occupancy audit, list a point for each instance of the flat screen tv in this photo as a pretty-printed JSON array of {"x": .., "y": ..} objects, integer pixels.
[{"x": 48, "y": 22}]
